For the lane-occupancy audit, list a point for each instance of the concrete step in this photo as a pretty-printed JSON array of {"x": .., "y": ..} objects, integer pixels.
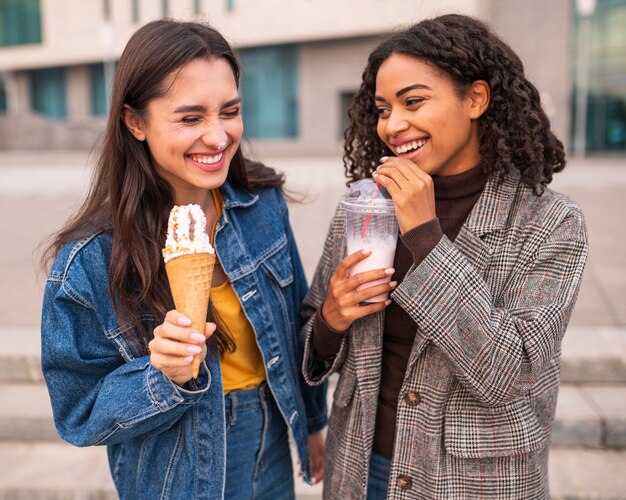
[
  {"x": 581, "y": 473},
  {"x": 591, "y": 415},
  {"x": 590, "y": 355},
  {"x": 587, "y": 415},
  {"x": 26, "y": 413},
  {"x": 594, "y": 355},
  {"x": 20, "y": 355},
  {"x": 58, "y": 471}
]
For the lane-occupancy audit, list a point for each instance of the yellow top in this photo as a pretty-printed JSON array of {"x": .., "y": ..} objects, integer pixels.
[{"x": 243, "y": 368}]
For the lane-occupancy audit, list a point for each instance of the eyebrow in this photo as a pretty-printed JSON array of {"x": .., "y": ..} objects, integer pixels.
[
  {"x": 197, "y": 108},
  {"x": 401, "y": 92}
]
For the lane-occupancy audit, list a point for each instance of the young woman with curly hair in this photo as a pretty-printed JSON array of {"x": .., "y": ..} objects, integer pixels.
[{"x": 448, "y": 389}]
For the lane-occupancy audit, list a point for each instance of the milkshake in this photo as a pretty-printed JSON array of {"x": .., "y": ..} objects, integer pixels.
[
  {"x": 371, "y": 223},
  {"x": 382, "y": 256}
]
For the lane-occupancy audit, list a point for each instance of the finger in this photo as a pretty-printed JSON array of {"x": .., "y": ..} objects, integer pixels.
[
  {"x": 209, "y": 329},
  {"x": 177, "y": 318},
  {"x": 343, "y": 291},
  {"x": 374, "y": 291},
  {"x": 412, "y": 171},
  {"x": 163, "y": 361},
  {"x": 397, "y": 171},
  {"x": 409, "y": 167},
  {"x": 180, "y": 334},
  {"x": 318, "y": 474},
  {"x": 368, "y": 276},
  {"x": 389, "y": 184},
  {"x": 355, "y": 257},
  {"x": 365, "y": 310},
  {"x": 173, "y": 348},
  {"x": 344, "y": 266}
]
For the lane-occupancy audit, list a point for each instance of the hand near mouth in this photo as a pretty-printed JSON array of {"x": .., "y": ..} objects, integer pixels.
[{"x": 411, "y": 189}]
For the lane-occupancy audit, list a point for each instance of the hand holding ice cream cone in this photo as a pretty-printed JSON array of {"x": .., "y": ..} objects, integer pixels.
[
  {"x": 189, "y": 262},
  {"x": 176, "y": 344}
]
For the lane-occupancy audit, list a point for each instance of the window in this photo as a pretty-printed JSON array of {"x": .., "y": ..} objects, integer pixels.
[
  {"x": 97, "y": 88},
  {"x": 106, "y": 9},
  {"x": 345, "y": 99},
  {"x": 135, "y": 11},
  {"x": 3, "y": 97},
  {"x": 20, "y": 22},
  {"x": 605, "y": 128},
  {"x": 269, "y": 91},
  {"x": 48, "y": 92}
]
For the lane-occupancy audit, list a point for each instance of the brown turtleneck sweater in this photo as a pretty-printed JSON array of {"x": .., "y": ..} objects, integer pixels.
[{"x": 455, "y": 197}]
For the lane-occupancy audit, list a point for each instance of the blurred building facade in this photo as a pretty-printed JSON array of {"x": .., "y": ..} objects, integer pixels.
[{"x": 302, "y": 62}]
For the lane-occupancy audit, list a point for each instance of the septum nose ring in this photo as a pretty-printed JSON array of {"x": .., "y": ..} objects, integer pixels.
[{"x": 221, "y": 145}]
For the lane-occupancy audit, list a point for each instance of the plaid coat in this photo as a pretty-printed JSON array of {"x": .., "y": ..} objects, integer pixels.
[{"x": 478, "y": 398}]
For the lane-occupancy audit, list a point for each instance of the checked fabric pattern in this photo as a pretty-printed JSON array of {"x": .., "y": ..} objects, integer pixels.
[{"x": 491, "y": 310}]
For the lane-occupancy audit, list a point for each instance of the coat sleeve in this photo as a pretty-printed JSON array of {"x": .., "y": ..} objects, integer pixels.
[
  {"x": 499, "y": 348},
  {"x": 314, "y": 397},
  {"x": 98, "y": 396},
  {"x": 315, "y": 370}
]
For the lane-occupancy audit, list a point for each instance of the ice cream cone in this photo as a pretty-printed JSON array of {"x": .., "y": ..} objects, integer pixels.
[{"x": 190, "y": 276}]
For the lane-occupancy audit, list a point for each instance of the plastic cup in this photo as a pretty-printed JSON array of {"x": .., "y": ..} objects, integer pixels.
[{"x": 371, "y": 223}]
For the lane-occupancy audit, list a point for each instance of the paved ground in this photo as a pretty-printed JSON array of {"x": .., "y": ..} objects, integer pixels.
[{"x": 38, "y": 192}]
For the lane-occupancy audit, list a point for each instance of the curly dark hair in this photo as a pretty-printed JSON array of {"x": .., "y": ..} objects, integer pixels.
[{"x": 514, "y": 130}]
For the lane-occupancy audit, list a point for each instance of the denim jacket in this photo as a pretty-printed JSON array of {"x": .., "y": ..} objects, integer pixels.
[{"x": 166, "y": 442}]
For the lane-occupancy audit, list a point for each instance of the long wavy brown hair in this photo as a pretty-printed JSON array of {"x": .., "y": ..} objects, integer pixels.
[
  {"x": 514, "y": 131},
  {"x": 127, "y": 198}
]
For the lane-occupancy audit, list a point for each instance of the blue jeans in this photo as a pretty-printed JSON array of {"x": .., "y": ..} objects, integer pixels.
[
  {"x": 258, "y": 460},
  {"x": 380, "y": 467}
]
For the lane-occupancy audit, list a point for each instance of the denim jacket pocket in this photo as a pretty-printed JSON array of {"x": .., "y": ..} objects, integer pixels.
[
  {"x": 478, "y": 432},
  {"x": 279, "y": 267}
]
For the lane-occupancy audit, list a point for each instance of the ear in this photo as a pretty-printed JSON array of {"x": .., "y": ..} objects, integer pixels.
[
  {"x": 133, "y": 123},
  {"x": 479, "y": 95}
]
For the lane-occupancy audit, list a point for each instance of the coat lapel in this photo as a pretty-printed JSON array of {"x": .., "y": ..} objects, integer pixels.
[{"x": 488, "y": 215}]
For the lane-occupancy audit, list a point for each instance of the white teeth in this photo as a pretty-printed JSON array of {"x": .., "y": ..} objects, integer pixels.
[
  {"x": 410, "y": 146},
  {"x": 208, "y": 160}
]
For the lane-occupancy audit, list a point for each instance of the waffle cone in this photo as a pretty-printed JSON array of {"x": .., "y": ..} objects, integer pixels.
[{"x": 190, "y": 281}]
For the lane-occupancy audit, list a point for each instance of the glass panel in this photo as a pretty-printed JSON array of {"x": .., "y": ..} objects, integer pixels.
[
  {"x": 3, "y": 97},
  {"x": 270, "y": 91},
  {"x": 135, "y": 13},
  {"x": 606, "y": 96},
  {"x": 48, "y": 94},
  {"x": 106, "y": 9},
  {"x": 20, "y": 22},
  {"x": 99, "y": 105},
  {"x": 345, "y": 99}
]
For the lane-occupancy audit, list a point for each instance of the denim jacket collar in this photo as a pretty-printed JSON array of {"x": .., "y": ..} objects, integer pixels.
[{"x": 237, "y": 197}]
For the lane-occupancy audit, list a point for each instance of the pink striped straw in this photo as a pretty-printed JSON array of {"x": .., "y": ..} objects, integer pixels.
[{"x": 369, "y": 214}]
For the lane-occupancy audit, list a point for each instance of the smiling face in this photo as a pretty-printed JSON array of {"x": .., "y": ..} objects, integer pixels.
[
  {"x": 422, "y": 118},
  {"x": 194, "y": 130}
]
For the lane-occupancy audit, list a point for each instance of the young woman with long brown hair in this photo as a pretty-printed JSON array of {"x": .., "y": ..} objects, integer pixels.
[{"x": 116, "y": 355}]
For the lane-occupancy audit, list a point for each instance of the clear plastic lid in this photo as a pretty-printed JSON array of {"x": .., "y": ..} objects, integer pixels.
[{"x": 366, "y": 196}]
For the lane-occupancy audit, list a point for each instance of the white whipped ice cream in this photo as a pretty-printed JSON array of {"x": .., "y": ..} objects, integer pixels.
[{"x": 179, "y": 241}]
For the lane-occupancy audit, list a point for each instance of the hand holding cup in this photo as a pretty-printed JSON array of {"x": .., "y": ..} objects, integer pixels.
[{"x": 347, "y": 299}]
